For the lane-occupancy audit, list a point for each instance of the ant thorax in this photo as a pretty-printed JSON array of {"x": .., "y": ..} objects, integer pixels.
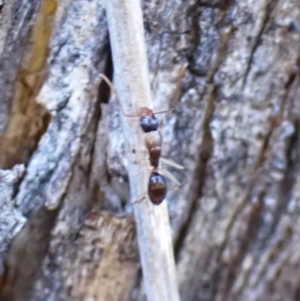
[{"x": 153, "y": 144}]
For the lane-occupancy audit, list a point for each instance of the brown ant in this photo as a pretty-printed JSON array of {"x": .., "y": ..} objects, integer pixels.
[{"x": 157, "y": 187}]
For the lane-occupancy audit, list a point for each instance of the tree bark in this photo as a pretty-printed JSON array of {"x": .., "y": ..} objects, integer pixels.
[{"x": 66, "y": 225}]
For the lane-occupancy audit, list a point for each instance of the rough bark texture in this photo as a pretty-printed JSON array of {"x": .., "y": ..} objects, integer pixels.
[{"x": 66, "y": 227}]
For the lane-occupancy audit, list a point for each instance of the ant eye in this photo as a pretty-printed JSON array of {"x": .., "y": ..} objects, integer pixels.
[
  {"x": 149, "y": 123},
  {"x": 157, "y": 188}
]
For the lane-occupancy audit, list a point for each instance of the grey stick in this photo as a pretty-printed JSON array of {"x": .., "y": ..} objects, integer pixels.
[{"x": 132, "y": 84}]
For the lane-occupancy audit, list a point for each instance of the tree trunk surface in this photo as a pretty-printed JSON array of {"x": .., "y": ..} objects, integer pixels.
[{"x": 67, "y": 230}]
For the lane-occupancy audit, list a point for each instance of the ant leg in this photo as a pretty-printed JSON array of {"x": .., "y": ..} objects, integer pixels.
[
  {"x": 168, "y": 175},
  {"x": 177, "y": 92},
  {"x": 165, "y": 172},
  {"x": 110, "y": 84},
  {"x": 171, "y": 163},
  {"x": 174, "y": 188},
  {"x": 138, "y": 200},
  {"x": 179, "y": 78}
]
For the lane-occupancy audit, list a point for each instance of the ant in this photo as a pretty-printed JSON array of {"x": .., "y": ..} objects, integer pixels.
[{"x": 157, "y": 187}]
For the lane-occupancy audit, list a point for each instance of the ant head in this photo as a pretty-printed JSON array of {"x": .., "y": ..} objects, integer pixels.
[
  {"x": 157, "y": 188},
  {"x": 148, "y": 121}
]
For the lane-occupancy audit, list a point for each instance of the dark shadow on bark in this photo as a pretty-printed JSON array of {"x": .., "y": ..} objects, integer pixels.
[{"x": 26, "y": 255}]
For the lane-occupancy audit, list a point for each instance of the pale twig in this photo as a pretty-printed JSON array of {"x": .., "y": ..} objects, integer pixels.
[{"x": 132, "y": 84}]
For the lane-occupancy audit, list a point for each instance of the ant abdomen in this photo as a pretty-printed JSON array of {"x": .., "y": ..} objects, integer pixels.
[{"x": 157, "y": 188}]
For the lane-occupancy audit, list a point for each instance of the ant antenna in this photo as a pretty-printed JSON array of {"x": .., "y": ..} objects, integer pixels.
[
  {"x": 109, "y": 83},
  {"x": 111, "y": 86},
  {"x": 165, "y": 111}
]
